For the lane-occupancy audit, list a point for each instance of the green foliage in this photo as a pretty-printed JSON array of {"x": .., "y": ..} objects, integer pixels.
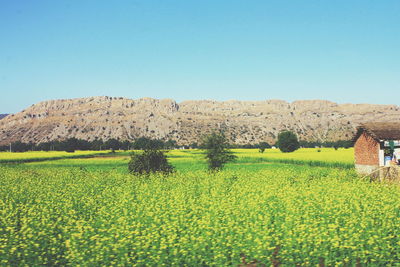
[
  {"x": 262, "y": 146},
  {"x": 112, "y": 144},
  {"x": 334, "y": 144},
  {"x": 170, "y": 144},
  {"x": 287, "y": 141},
  {"x": 140, "y": 143},
  {"x": 194, "y": 145},
  {"x": 19, "y": 147},
  {"x": 144, "y": 143},
  {"x": 149, "y": 161},
  {"x": 217, "y": 152},
  {"x": 72, "y": 144}
]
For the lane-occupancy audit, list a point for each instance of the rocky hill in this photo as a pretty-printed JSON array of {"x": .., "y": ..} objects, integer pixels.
[{"x": 243, "y": 121}]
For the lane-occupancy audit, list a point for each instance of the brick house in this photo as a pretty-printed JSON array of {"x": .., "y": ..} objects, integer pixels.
[{"x": 375, "y": 144}]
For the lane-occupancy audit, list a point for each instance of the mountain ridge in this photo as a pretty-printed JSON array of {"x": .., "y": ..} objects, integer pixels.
[{"x": 244, "y": 122}]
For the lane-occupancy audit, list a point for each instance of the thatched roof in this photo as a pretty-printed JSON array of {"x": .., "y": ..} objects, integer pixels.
[{"x": 380, "y": 130}]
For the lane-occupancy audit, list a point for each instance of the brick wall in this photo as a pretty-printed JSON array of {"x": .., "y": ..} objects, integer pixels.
[{"x": 366, "y": 150}]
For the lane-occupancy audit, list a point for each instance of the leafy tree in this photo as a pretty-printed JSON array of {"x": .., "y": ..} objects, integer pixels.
[
  {"x": 287, "y": 141},
  {"x": 194, "y": 145},
  {"x": 112, "y": 144},
  {"x": 97, "y": 144},
  {"x": 334, "y": 144},
  {"x": 156, "y": 144},
  {"x": 217, "y": 152},
  {"x": 141, "y": 143},
  {"x": 144, "y": 143},
  {"x": 71, "y": 144},
  {"x": 20, "y": 147},
  {"x": 125, "y": 145},
  {"x": 83, "y": 144},
  {"x": 149, "y": 161},
  {"x": 170, "y": 144},
  {"x": 262, "y": 146}
]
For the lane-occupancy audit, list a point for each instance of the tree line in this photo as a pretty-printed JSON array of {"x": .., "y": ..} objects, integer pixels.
[
  {"x": 72, "y": 144},
  {"x": 143, "y": 143},
  {"x": 334, "y": 144}
]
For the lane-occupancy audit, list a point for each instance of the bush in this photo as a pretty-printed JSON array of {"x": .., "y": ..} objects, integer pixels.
[
  {"x": 287, "y": 141},
  {"x": 150, "y": 161},
  {"x": 262, "y": 146},
  {"x": 217, "y": 152}
]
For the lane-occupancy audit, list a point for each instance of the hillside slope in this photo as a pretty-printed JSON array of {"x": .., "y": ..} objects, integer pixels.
[{"x": 243, "y": 121}]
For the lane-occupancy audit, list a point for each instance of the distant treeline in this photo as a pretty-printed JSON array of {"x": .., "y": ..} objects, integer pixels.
[
  {"x": 72, "y": 144},
  {"x": 336, "y": 144},
  {"x": 305, "y": 144}
]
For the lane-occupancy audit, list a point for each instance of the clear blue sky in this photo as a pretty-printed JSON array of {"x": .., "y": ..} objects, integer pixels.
[{"x": 343, "y": 51}]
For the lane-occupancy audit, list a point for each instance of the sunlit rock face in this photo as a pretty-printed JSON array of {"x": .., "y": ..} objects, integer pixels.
[{"x": 244, "y": 122}]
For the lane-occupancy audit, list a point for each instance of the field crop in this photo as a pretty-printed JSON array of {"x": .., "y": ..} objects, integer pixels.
[
  {"x": 327, "y": 157},
  {"x": 193, "y": 160},
  {"x": 90, "y": 212},
  {"x": 19, "y": 157}
]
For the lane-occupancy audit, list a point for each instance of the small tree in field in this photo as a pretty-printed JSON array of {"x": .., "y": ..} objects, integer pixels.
[
  {"x": 217, "y": 152},
  {"x": 287, "y": 141},
  {"x": 262, "y": 146},
  {"x": 150, "y": 161}
]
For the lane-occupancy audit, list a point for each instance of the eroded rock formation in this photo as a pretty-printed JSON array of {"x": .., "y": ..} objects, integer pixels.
[{"x": 243, "y": 121}]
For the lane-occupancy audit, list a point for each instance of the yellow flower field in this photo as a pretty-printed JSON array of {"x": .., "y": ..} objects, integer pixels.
[
  {"x": 16, "y": 156},
  {"x": 305, "y": 154},
  {"x": 91, "y": 212}
]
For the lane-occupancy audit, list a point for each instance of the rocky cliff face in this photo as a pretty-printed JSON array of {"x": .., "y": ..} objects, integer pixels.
[{"x": 243, "y": 121}]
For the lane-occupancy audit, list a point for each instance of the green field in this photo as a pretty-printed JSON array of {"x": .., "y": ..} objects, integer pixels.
[
  {"x": 12, "y": 157},
  {"x": 303, "y": 208}
]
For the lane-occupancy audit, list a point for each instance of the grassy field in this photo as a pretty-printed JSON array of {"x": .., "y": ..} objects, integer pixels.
[
  {"x": 326, "y": 157},
  {"x": 249, "y": 159},
  {"x": 91, "y": 212},
  {"x": 20, "y": 157}
]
